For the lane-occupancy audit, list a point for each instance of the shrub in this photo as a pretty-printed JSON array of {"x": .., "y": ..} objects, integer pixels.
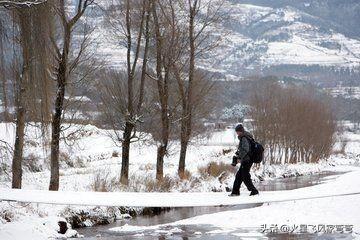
[
  {"x": 115, "y": 154},
  {"x": 149, "y": 184},
  {"x": 186, "y": 175},
  {"x": 65, "y": 158},
  {"x": 164, "y": 185},
  {"x": 215, "y": 169},
  {"x": 31, "y": 162},
  {"x": 102, "y": 182},
  {"x": 295, "y": 124},
  {"x": 226, "y": 151}
]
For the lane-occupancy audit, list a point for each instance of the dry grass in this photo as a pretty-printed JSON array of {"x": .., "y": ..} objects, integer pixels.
[
  {"x": 186, "y": 175},
  {"x": 32, "y": 163},
  {"x": 115, "y": 154},
  {"x": 165, "y": 185},
  {"x": 226, "y": 151},
  {"x": 102, "y": 182},
  {"x": 343, "y": 144},
  {"x": 7, "y": 215},
  {"x": 215, "y": 169},
  {"x": 65, "y": 158},
  {"x": 149, "y": 184}
]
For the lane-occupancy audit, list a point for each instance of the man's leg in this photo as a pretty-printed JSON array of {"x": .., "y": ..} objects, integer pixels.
[
  {"x": 237, "y": 183},
  {"x": 246, "y": 177}
]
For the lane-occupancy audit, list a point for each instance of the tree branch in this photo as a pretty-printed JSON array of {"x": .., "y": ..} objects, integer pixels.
[{"x": 20, "y": 3}]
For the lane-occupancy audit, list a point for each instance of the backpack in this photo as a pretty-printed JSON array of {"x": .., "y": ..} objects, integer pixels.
[{"x": 256, "y": 150}]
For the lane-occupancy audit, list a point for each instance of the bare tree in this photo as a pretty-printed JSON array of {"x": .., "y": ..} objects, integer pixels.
[
  {"x": 3, "y": 75},
  {"x": 129, "y": 22},
  {"x": 163, "y": 91},
  {"x": 170, "y": 39},
  {"x": 32, "y": 81},
  {"x": 62, "y": 73},
  {"x": 21, "y": 86},
  {"x": 20, "y": 3},
  {"x": 200, "y": 16}
]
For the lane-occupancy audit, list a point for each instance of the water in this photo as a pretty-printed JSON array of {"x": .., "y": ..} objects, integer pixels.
[{"x": 202, "y": 232}]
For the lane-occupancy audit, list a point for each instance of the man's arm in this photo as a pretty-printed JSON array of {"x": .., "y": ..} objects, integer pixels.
[{"x": 244, "y": 148}]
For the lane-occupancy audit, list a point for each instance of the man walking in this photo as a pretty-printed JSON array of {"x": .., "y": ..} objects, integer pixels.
[{"x": 242, "y": 156}]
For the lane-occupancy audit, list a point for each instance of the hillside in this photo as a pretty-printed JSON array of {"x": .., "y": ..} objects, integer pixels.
[{"x": 281, "y": 38}]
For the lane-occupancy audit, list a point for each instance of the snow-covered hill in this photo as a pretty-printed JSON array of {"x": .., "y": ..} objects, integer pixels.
[
  {"x": 257, "y": 37},
  {"x": 260, "y": 37}
]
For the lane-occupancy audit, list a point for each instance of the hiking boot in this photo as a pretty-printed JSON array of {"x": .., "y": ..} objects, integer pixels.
[
  {"x": 234, "y": 194},
  {"x": 254, "y": 192}
]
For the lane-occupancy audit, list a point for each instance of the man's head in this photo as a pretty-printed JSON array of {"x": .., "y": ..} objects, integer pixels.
[{"x": 239, "y": 129}]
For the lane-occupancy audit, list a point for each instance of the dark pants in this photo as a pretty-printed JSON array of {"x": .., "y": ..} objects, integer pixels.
[{"x": 243, "y": 175}]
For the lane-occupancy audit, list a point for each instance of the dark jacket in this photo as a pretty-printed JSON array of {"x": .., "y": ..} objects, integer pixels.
[{"x": 244, "y": 148}]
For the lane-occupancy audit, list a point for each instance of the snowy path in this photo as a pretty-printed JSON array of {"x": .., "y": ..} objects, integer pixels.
[
  {"x": 327, "y": 210},
  {"x": 333, "y": 211},
  {"x": 137, "y": 199}
]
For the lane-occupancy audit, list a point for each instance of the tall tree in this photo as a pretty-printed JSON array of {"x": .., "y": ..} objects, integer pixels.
[
  {"x": 22, "y": 83},
  {"x": 62, "y": 73},
  {"x": 201, "y": 15},
  {"x": 33, "y": 75},
  {"x": 124, "y": 98},
  {"x": 168, "y": 38},
  {"x": 3, "y": 75},
  {"x": 163, "y": 87},
  {"x": 20, "y": 3}
]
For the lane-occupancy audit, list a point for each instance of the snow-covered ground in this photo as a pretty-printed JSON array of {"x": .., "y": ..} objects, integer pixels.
[
  {"x": 339, "y": 215},
  {"x": 346, "y": 92},
  {"x": 35, "y": 228},
  {"x": 90, "y": 156},
  {"x": 89, "y": 152}
]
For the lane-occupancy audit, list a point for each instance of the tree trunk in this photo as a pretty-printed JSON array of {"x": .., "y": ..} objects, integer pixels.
[
  {"x": 183, "y": 147},
  {"x": 20, "y": 99},
  {"x": 129, "y": 126},
  {"x": 162, "y": 149},
  {"x": 59, "y": 106},
  {"x": 163, "y": 93},
  {"x": 125, "y": 156},
  {"x": 55, "y": 138},
  {"x": 19, "y": 142},
  {"x": 3, "y": 76},
  {"x": 145, "y": 60},
  {"x": 186, "y": 122}
]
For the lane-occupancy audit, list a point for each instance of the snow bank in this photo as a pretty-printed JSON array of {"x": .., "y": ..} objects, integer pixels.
[
  {"x": 35, "y": 228},
  {"x": 161, "y": 199},
  {"x": 96, "y": 154},
  {"x": 344, "y": 210}
]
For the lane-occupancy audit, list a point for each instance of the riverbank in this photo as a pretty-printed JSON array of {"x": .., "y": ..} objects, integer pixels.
[
  {"x": 85, "y": 166},
  {"x": 324, "y": 216}
]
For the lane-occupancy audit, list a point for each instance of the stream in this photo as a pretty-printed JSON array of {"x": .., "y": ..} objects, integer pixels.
[{"x": 202, "y": 231}]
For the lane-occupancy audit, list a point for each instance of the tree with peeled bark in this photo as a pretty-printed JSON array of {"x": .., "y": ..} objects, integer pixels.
[{"x": 62, "y": 72}]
